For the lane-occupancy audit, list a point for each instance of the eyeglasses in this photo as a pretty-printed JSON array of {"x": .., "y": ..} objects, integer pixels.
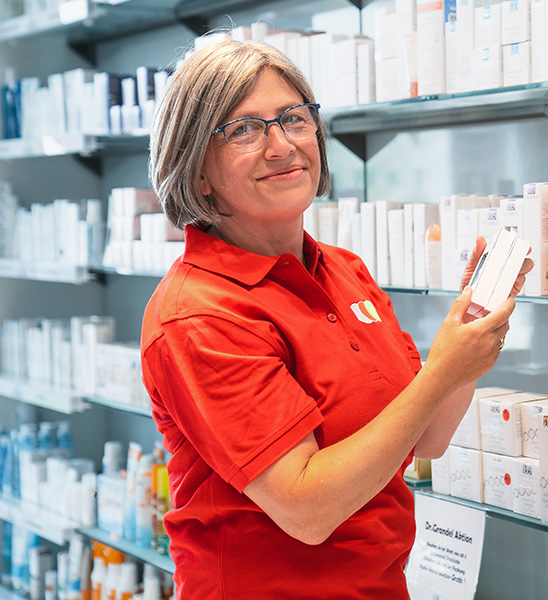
[{"x": 249, "y": 133}]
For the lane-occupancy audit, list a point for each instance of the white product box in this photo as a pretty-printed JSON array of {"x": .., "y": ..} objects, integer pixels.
[
  {"x": 465, "y": 44},
  {"x": 487, "y": 26},
  {"x": 320, "y": 49},
  {"x": 406, "y": 16},
  {"x": 535, "y": 226},
  {"x": 280, "y": 39},
  {"x": 467, "y": 232},
  {"x": 366, "y": 73},
  {"x": 543, "y": 464},
  {"x": 500, "y": 422},
  {"x": 368, "y": 227},
  {"x": 515, "y": 22},
  {"x": 441, "y": 474},
  {"x": 496, "y": 272},
  {"x": 111, "y": 493},
  {"x": 539, "y": 47},
  {"x": 468, "y": 432},
  {"x": 304, "y": 56},
  {"x": 328, "y": 217},
  {"x": 466, "y": 473},
  {"x": 408, "y": 246},
  {"x": 525, "y": 486},
  {"x": 386, "y": 34},
  {"x": 512, "y": 215},
  {"x": 383, "y": 248},
  {"x": 431, "y": 18},
  {"x": 408, "y": 67},
  {"x": 387, "y": 86},
  {"x": 424, "y": 215},
  {"x": 497, "y": 480},
  {"x": 451, "y": 58},
  {"x": 347, "y": 207},
  {"x": 487, "y": 67},
  {"x": 344, "y": 71},
  {"x": 489, "y": 222},
  {"x": 395, "y": 245},
  {"x": 516, "y": 64},
  {"x": 529, "y": 425}
]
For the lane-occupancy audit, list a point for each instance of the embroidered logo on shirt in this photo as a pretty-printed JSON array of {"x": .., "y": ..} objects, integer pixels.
[{"x": 365, "y": 312}]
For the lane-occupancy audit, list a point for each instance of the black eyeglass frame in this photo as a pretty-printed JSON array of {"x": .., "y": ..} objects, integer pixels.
[{"x": 266, "y": 122}]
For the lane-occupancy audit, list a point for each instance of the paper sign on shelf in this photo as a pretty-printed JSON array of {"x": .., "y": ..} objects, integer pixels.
[{"x": 445, "y": 560}]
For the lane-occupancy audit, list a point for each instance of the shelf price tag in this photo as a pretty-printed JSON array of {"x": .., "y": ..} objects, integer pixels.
[{"x": 445, "y": 560}]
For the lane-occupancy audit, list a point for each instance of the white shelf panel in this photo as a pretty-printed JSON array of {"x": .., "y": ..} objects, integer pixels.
[
  {"x": 121, "y": 406},
  {"x": 35, "y": 519},
  {"x": 54, "y": 272},
  {"x": 61, "y": 400},
  {"x": 147, "y": 555}
]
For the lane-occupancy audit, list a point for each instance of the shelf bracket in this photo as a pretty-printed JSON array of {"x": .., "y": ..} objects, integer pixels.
[
  {"x": 355, "y": 142},
  {"x": 92, "y": 163}
]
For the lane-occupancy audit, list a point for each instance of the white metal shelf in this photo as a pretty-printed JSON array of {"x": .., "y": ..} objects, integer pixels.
[
  {"x": 45, "y": 524},
  {"x": 121, "y": 406},
  {"x": 147, "y": 555},
  {"x": 40, "y": 394}
]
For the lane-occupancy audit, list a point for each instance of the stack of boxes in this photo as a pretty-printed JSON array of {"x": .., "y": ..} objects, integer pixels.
[{"x": 495, "y": 456}]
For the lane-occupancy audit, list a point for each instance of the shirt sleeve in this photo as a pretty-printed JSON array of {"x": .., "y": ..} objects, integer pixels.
[{"x": 228, "y": 389}]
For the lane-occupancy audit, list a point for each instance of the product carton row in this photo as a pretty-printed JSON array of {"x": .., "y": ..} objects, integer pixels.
[
  {"x": 499, "y": 453},
  {"x": 427, "y": 245}
]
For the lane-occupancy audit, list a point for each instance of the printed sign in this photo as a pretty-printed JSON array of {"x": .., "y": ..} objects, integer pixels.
[{"x": 445, "y": 560}]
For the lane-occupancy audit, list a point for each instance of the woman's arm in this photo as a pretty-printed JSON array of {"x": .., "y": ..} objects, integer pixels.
[{"x": 309, "y": 492}]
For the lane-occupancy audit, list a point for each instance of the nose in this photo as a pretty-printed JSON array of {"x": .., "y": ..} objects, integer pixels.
[{"x": 278, "y": 143}]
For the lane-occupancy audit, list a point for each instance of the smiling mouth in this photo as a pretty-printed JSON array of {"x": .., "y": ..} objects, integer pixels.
[{"x": 285, "y": 172}]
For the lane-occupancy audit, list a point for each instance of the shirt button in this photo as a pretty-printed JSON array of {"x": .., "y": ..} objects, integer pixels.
[
  {"x": 309, "y": 288},
  {"x": 354, "y": 346},
  {"x": 331, "y": 317}
]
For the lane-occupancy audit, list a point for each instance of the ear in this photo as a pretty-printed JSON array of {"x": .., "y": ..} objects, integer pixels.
[{"x": 205, "y": 186}]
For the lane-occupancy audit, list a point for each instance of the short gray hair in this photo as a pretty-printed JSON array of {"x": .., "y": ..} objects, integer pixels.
[{"x": 203, "y": 91}]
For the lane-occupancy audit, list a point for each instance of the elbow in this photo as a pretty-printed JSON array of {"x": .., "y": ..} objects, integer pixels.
[
  {"x": 311, "y": 536},
  {"x": 431, "y": 450},
  {"x": 312, "y": 528}
]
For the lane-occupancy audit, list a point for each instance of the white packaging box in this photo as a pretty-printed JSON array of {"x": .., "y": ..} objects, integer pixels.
[
  {"x": 515, "y": 21},
  {"x": 487, "y": 67},
  {"x": 344, "y": 72},
  {"x": 516, "y": 64},
  {"x": 328, "y": 216},
  {"x": 304, "y": 56},
  {"x": 529, "y": 425},
  {"x": 424, "y": 215},
  {"x": 488, "y": 221},
  {"x": 450, "y": 278},
  {"x": 357, "y": 234},
  {"x": 535, "y": 231},
  {"x": 279, "y": 39},
  {"x": 539, "y": 47},
  {"x": 111, "y": 493},
  {"x": 347, "y": 208},
  {"x": 466, "y": 473},
  {"x": 465, "y": 44},
  {"x": 408, "y": 246},
  {"x": 512, "y": 215},
  {"x": 387, "y": 86},
  {"x": 543, "y": 464},
  {"x": 383, "y": 250},
  {"x": 431, "y": 18},
  {"x": 366, "y": 72},
  {"x": 451, "y": 58},
  {"x": 496, "y": 272},
  {"x": 408, "y": 67},
  {"x": 368, "y": 227},
  {"x": 468, "y": 432},
  {"x": 395, "y": 245},
  {"x": 386, "y": 34},
  {"x": 525, "y": 486},
  {"x": 497, "y": 480},
  {"x": 487, "y": 25},
  {"x": 467, "y": 232},
  {"x": 500, "y": 423},
  {"x": 406, "y": 16},
  {"x": 310, "y": 220},
  {"x": 441, "y": 474},
  {"x": 320, "y": 45}
]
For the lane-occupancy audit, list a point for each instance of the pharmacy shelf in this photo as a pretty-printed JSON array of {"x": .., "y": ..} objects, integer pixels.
[
  {"x": 452, "y": 294},
  {"x": 73, "y": 143},
  {"x": 39, "y": 394},
  {"x": 127, "y": 272},
  {"x": 147, "y": 555},
  {"x": 55, "y": 272},
  {"x": 444, "y": 110},
  {"x": 491, "y": 511},
  {"x": 8, "y": 594},
  {"x": 120, "y": 406},
  {"x": 45, "y": 524}
]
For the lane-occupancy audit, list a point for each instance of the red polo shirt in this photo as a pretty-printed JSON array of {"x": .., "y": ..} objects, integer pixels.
[{"x": 243, "y": 356}]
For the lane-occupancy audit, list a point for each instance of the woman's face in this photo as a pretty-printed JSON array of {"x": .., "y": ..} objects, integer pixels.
[{"x": 270, "y": 186}]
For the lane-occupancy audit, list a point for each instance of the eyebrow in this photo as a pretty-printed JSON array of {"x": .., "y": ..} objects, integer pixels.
[{"x": 253, "y": 114}]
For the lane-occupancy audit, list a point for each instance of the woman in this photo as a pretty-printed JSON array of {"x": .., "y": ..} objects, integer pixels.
[{"x": 285, "y": 390}]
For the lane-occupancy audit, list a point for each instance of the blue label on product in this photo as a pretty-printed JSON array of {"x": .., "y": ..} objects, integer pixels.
[
  {"x": 514, "y": 49},
  {"x": 514, "y": 5}
]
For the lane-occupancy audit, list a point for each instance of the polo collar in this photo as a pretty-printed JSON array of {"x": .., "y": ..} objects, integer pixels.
[{"x": 212, "y": 254}]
